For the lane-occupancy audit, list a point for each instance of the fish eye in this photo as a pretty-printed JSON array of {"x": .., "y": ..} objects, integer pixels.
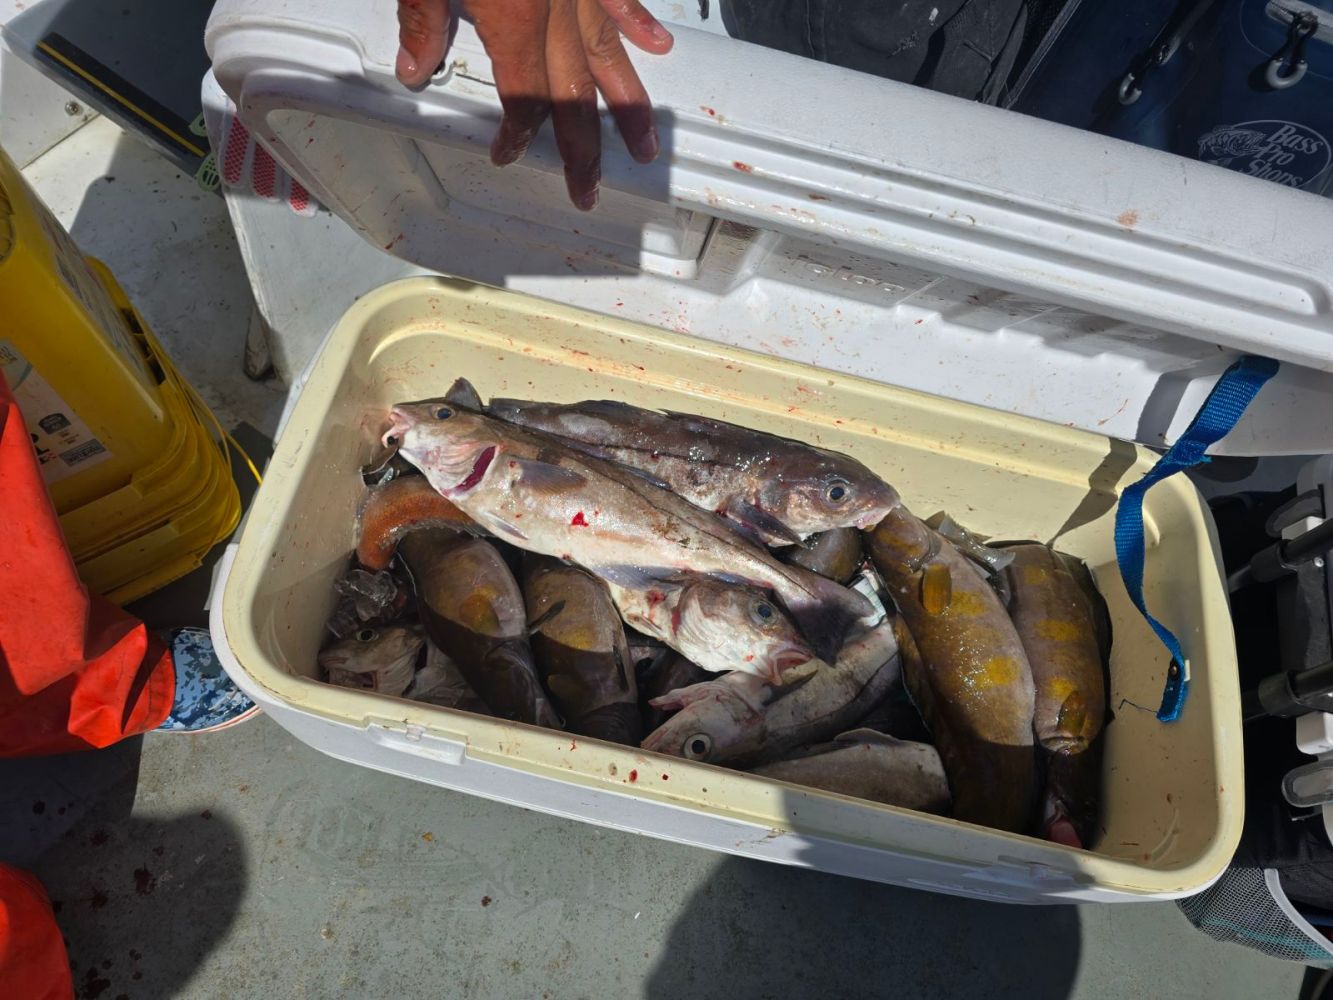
[
  {"x": 367, "y": 635},
  {"x": 698, "y": 746},
  {"x": 837, "y": 491},
  {"x": 763, "y": 612},
  {"x": 442, "y": 413}
]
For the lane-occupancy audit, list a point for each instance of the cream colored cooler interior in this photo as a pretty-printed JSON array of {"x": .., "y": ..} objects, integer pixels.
[{"x": 1172, "y": 793}]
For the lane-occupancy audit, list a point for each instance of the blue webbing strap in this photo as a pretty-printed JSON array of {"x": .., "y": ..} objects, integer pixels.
[{"x": 1220, "y": 411}]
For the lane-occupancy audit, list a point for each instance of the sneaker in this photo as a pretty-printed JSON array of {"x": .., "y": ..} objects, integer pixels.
[{"x": 206, "y": 699}]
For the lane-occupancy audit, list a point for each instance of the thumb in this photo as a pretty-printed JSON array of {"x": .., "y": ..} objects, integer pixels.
[{"x": 423, "y": 33}]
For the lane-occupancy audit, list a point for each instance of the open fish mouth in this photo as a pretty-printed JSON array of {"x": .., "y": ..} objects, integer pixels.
[
  {"x": 779, "y": 667},
  {"x": 872, "y": 517},
  {"x": 399, "y": 424}
]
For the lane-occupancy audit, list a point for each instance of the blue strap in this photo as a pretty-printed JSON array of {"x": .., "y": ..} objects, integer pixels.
[{"x": 1220, "y": 411}]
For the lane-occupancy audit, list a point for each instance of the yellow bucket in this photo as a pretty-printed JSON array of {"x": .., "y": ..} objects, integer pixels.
[{"x": 141, "y": 485}]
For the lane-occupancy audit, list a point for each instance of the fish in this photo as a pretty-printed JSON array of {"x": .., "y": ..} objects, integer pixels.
[
  {"x": 392, "y": 510},
  {"x": 718, "y": 626},
  {"x": 440, "y": 682},
  {"x": 671, "y": 674},
  {"x": 375, "y": 659},
  {"x": 866, "y": 764},
  {"x": 1056, "y": 610},
  {"x": 966, "y": 670},
  {"x": 836, "y": 554},
  {"x": 473, "y": 610},
  {"x": 779, "y": 489},
  {"x": 740, "y": 721},
  {"x": 541, "y": 496},
  {"x": 582, "y": 656}
]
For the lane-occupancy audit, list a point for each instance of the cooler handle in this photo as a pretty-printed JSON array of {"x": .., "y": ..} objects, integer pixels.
[{"x": 1234, "y": 391}]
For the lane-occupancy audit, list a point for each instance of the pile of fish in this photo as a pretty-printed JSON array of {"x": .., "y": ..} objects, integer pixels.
[{"x": 711, "y": 592}]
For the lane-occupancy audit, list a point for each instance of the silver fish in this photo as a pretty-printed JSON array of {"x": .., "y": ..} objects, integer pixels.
[
  {"x": 782, "y": 490},
  {"x": 719, "y": 626},
  {"x": 869, "y": 765},
  {"x": 546, "y": 498},
  {"x": 375, "y": 659},
  {"x": 741, "y": 721}
]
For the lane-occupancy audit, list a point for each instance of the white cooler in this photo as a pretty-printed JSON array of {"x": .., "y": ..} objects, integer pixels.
[{"x": 811, "y": 245}]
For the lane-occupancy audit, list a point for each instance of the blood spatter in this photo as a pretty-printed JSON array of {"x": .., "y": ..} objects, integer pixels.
[{"x": 144, "y": 881}]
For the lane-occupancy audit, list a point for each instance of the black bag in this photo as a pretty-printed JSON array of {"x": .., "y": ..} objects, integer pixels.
[
  {"x": 967, "y": 48},
  {"x": 1245, "y": 84}
]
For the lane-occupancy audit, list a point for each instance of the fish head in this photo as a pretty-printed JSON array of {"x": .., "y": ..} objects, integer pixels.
[
  {"x": 740, "y": 625},
  {"x": 453, "y": 447},
  {"x": 715, "y": 725},
  {"x": 834, "y": 492},
  {"x": 374, "y": 649}
]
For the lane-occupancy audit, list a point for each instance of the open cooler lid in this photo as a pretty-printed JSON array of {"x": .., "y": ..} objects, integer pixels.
[{"x": 827, "y": 216}]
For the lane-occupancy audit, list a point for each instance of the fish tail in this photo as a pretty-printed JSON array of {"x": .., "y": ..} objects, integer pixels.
[{"x": 824, "y": 611}]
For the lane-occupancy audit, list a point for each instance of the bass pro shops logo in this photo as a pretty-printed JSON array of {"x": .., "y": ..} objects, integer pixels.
[{"x": 1283, "y": 152}]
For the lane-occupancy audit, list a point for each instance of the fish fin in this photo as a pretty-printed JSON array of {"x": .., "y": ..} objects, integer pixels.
[
  {"x": 762, "y": 522},
  {"x": 378, "y": 472},
  {"x": 936, "y": 588},
  {"x": 865, "y": 735},
  {"x": 500, "y": 526},
  {"x": 679, "y": 698},
  {"x": 546, "y": 617},
  {"x": 462, "y": 394},
  {"x": 972, "y": 545},
  {"x": 638, "y": 577},
  {"x": 1073, "y": 716},
  {"x": 643, "y": 474},
  {"x": 544, "y": 475},
  {"x": 826, "y": 620}
]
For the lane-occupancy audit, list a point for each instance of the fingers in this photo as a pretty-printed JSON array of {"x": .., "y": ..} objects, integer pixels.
[
  {"x": 515, "y": 40},
  {"x": 616, "y": 79},
  {"x": 640, "y": 27},
  {"x": 423, "y": 32},
  {"x": 574, "y": 104}
]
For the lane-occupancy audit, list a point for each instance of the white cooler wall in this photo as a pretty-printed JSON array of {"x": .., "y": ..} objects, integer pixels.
[{"x": 822, "y": 215}]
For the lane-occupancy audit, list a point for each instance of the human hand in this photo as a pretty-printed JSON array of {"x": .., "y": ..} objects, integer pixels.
[{"x": 549, "y": 57}]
